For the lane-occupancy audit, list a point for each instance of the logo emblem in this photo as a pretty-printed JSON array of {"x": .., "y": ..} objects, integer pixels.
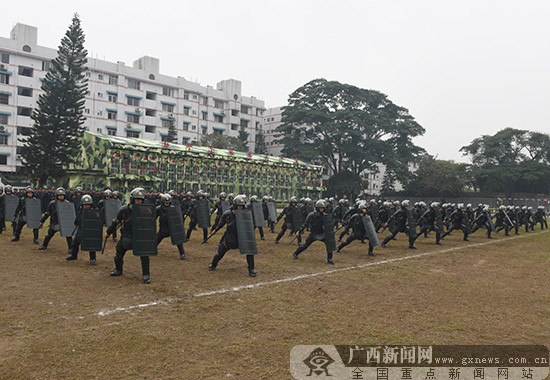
[{"x": 318, "y": 361}]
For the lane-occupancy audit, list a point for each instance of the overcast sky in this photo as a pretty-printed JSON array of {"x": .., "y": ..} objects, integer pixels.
[{"x": 462, "y": 68}]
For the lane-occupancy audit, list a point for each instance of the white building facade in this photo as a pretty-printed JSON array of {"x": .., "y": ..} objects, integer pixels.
[{"x": 136, "y": 101}]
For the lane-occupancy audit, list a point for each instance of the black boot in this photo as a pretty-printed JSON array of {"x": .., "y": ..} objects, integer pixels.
[
  {"x": 386, "y": 240},
  {"x": 329, "y": 258},
  {"x": 182, "y": 252},
  {"x": 250, "y": 260},
  {"x": 118, "y": 267},
  {"x": 92, "y": 258}
]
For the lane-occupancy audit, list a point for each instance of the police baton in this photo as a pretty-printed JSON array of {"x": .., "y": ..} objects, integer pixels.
[
  {"x": 295, "y": 237},
  {"x": 107, "y": 238},
  {"x": 208, "y": 238}
]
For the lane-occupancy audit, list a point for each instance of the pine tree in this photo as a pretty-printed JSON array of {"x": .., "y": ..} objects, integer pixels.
[
  {"x": 243, "y": 136},
  {"x": 260, "y": 146},
  {"x": 53, "y": 142},
  {"x": 172, "y": 134}
]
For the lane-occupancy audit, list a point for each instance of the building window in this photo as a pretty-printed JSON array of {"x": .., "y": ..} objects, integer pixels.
[
  {"x": 4, "y": 79},
  {"x": 99, "y": 130},
  {"x": 205, "y": 115},
  {"x": 133, "y": 118},
  {"x": 234, "y": 127},
  {"x": 3, "y": 119},
  {"x": 185, "y": 126},
  {"x": 86, "y": 110},
  {"x": 218, "y": 103},
  {"x": 4, "y": 58},
  {"x": 204, "y": 130},
  {"x": 100, "y": 95},
  {"x": 234, "y": 112},
  {"x": 259, "y": 112},
  {"x": 113, "y": 79},
  {"x": 100, "y": 76},
  {"x": 150, "y": 112},
  {"x": 26, "y": 48},
  {"x": 111, "y": 115},
  {"x": 4, "y": 98},
  {"x": 193, "y": 127},
  {"x": 186, "y": 95},
  {"x": 245, "y": 109},
  {"x": 166, "y": 123},
  {"x": 3, "y": 160},
  {"x": 133, "y": 102},
  {"x": 150, "y": 95},
  {"x": 3, "y": 140},
  {"x": 168, "y": 91},
  {"x": 46, "y": 65},
  {"x": 134, "y": 84},
  {"x": 150, "y": 128},
  {"x": 205, "y": 100},
  {"x": 100, "y": 113},
  {"x": 132, "y": 134},
  {"x": 167, "y": 107},
  {"x": 185, "y": 140},
  {"x": 113, "y": 98},
  {"x": 218, "y": 132},
  {"x": 186, "y": 111},
  {"x": 24, "y": 111},
  {"x": 244, "y": 123},
  {"x": 26, "y": 71},
  {"x": 218, "y": 118},
  {"x": 111, "y": 132}
]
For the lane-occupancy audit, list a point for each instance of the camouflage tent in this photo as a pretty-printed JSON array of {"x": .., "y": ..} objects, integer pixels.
[{"x": 120, "y": 162}]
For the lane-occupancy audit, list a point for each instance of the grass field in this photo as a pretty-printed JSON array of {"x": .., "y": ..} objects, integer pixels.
[{"x": 59, "y": 319}]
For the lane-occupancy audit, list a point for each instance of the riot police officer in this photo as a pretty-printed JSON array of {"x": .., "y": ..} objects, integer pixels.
[
  {"x": 194, "y": 217},
  {"x": 218, "y": 209},
  {"x": 86, "y": 203},
  {"x": 107, "y": 194},
  {"x": 401, "y": 225},
  {"x": 230, "y": 239},
  {"x": 164, "y": 228},
  {"x": 316, "y": 223},
  {"x": 358, "y": 228},
  {"x": 51, "y": 213},
  {"x": 254, "y": 199},
  {"x": 125, "y": 218},
  {"x": 20, "y": 214},
  {"x": 287, "y": 214}
]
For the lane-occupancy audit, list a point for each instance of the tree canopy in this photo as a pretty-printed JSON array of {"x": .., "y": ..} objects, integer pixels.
[
  {"x": 438, "y": 178},
  {"x": 348, "y": 129},
  {"x": 220, "y": 141}
]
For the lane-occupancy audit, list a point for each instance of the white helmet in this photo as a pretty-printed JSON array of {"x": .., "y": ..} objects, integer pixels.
[
  {"x": 405, "y": 203},
  {"x": 502, "y": 207}
]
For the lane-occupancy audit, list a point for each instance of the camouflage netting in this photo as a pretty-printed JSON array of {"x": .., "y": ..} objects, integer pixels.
[{"x": 123, "y": 163}]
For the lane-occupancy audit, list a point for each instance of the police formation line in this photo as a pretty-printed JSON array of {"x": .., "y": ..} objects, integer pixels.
[{"x": 80, "y": 221}]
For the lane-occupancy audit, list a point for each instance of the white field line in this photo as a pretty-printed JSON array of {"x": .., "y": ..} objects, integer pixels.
[{"x": 103, "y": 313}]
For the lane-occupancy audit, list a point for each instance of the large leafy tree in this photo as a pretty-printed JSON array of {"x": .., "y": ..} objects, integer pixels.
[
  {"x": 54, "y": 139},
  {"x": 348, "y": 129},
  {"x": 438, "y": 178},
  {"x": 219, "y": 141},
  {"x": 511, "y": 161}
]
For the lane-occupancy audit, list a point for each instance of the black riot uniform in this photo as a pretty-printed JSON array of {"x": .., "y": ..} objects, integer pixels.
[
  {"x": 218, "y": 209},
  {"x": 501, "y": 221},
  {"x": 482, "y": 221},
  {"x": 317, "y": 230},
  {"x": 428, "y": 219},
  {"x": 357, "y": 226},
  {"x": 20, "y": 214},
  {"x": 230, "y": 238},
  {"x": 124, "y": 218},
  {"x": 51, "y": 213},
  {"x": 401, "y": 225},
  {"x": 192, "y": 212},
  {"x": 164, "y": 229},
  {"x": 107, "y": 194},
  {"x": 457, "y": 222},
  {"x": 287, "y": 214},
  {"x": 254, "y": 199},
  {"x": 84, "y": 202}
]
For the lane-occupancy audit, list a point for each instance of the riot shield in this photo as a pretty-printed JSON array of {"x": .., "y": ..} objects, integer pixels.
[
  {"x": 272, "y": 211},
  {"x": 245, "y": 232},
  {"x": 176, "y": 202},
  {"x": 490, "y": 221},
  {"x": 297, "y": 219},
  {"x": 144, "y": 230},
  {"x": 175, "y": 224},
  {"x": 10, "y": 205},
  {"x": 374, "y": 213},
  {"x": 439, "y": 219},
  {"x": 203, "y": 213},
  {"x": 225, "y": 206},
  {"x": 65, "y": 216},
  {"x": 92, "y": 230},
  {"x": 412, "y": 223},
  {"x": 330, "y": 239},
  {"x": 258, "y": 214},
  {"x": 466, "y": 222},
  {"x": 110, "y": 210},
  {"x": 309, "y": 208},
  {"x": 33, "y": 211},
  {"x": 371, "y": 231}
]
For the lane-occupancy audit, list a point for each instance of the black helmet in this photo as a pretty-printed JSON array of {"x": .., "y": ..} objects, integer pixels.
[
  {"x": 240, "y": 200},
  {"x": 78, "y": 189},
  {"x": 172, "y": 193},
  {"x": 201, "y": 193},
  {"x": 293, "y": 200},
  {"x": 29, "y": 189},
  {"x": 254, "y": 198},
  {"x": 8, "y": 188},
  {"x": 59, "y": 191},
  {"x": 321, "y": 203},
  {"x": 223, "y": 195},
  {"x": 86, "y": 200},
  {"x": 166, "y": 198},
  {"x": 107, "y": 194},
  {"x": 137, "y": 193},
  {"x": 230, "y": 196}
]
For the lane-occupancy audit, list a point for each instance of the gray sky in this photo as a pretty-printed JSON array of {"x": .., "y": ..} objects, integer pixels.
[{"x": 462, "y": 68}]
